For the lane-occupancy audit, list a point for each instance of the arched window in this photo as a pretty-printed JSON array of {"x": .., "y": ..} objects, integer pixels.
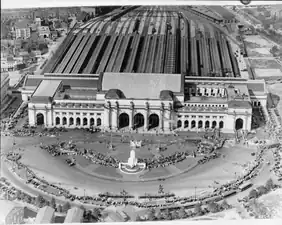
[
  {"x": 213, "y": 124},
  {"x": 207, "y": 124}
]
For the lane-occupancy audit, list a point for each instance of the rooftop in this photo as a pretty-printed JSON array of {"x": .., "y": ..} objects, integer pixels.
[
  {"x": 205, "y": 99},
  {"x": 239, "y": 104},
  {"x": 136, "y": 85},
  {"x": 6, "y": 207},
  {"x": 44, "y": 215},
  {"x": 74, "y": 215},
  {"x": 47, "y": 88}
]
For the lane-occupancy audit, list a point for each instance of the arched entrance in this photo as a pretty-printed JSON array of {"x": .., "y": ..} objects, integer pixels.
[
  {"x": 213, "y": 124},
  {"x": 239, "y": 124},
  {"x": 200, "y": 124},
  {"x": 84, "y": 121},
  {"x": 99, "y": 122},
  {"x": 186, "y": 124},
  {"x": 91, "y": 122},
  {"x": 138, "y": 120},
  {"x": 39, "y": 119},
  {"x": 78, "y": 121},
  {"x": 58, "y": 121},
  {"x": 123, "y": 120},
  {"x": 64, "y": 120},
  {"x": 179, "y": 123},
  {"x": 193, "y": 124},
  {"x": 221, "y": 124},
  {"x": 207, "y": 124},
  {"x": 153, "y": 121},
  {"x": 71, "y": 121}
]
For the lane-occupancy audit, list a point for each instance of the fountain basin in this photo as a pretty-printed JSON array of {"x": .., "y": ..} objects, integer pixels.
[{"x": 127, "y": 169}]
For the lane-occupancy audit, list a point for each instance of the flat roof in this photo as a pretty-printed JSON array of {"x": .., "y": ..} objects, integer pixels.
[
  {"x": 47, "y": 88},
  {"x": 223, "y": 12},
  {"x": 44, "y": 215},
  {"x": 74, "y": 215},
  {"x": 205, "y": 99},
  {"x": 239, "y": 104},
  {"x": 142, "y": 85}
]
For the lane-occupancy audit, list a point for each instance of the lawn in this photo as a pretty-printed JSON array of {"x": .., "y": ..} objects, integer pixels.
[
  {"x": 155, "y": 173},
  {"x": 265, "y": 64},
  {"x": 108, "y": 171}
]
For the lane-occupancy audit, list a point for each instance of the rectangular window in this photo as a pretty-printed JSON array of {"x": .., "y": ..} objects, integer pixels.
[
  {"x": 57, "y": 113},
  {"x": 179, "y": 116},
  {"x": 64, "y": 113},
  {"x": 214, "y": 117},
  {"x": 71, "y": 113},
  {"x": 186, "y": 116},
  {"x": 77, "y": 113},
  {"x": 221, "y": 117},
  {"x": 84, "y": 114},
  {"x": 98, "y": 114},
  {"x": 91, "y": 114},
  {"x": 193, "y": 116},
  {"x": 200, "y": 116},
  {"x": 207, "y": 116}
]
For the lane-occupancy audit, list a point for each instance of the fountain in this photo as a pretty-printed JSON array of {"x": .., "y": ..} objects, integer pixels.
[{"x": 132, "y": 166}]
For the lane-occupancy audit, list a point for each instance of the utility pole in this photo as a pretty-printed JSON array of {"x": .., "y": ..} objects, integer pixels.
[{"x": 195, "y": 193}]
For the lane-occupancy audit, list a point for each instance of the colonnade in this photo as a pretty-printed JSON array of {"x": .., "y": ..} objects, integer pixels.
[
  {"x": 199, "y": 124},
  {"x": 207, "y": 91},
  {"x": 76, "y": 121}
]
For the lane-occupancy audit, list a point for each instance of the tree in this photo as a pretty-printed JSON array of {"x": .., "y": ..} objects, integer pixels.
[
  {"x": 40, "y": 201},
  {"x": 82, "y": 207},
  {"x": 225, "y": 205},
  {"x": 198, "y": 210},
  {"x": 261, "y": 190},
  {"x": 18, "y": 195},
  {"x": 66, "y": 207},
  {"x": 53, "y": 203},
  {"x": 138, "y": 218},
  {"x": 269, "y": 184},
  {"x": 174, "y": 215},
  {"x": 96, "y": 213},
  {"x": 181, "y": 213},
  {"x": 60, "y": 208},
  {"x": 253, "y": 194},
  {"x": 189, "y": 213},
  {"x": 151, "y": 215},
  {"x": 213, "y": 207}
]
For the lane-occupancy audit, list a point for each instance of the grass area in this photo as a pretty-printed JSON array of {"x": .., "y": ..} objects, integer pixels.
[
  {"x": 265, "y": 64},
  {"x": 259, "y": 52},
  {"x": 157, "y": 172},
  {"x": 107, "y": 171},
  {"x": 257, "y": 41},
  {"x": 185, "y": 164}
]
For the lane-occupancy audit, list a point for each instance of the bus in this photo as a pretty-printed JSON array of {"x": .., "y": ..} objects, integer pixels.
[{"x": 245, "y": 186}]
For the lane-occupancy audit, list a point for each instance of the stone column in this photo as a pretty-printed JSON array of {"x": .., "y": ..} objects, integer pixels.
[
  {"x": 162, "y": 116},
  {"x": 147, "y": 107},
  {"x": 117, "y": 115},
  {"x": 170, "y": 115},
  {"x": 109, "y": 114},
  {"x": 131, "y": 122}
]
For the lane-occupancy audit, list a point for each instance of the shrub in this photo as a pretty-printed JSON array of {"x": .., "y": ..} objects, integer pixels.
[
  {"x": 269, "y": 184},
  {"x": 262, "y": 190},
  {"x": 198, "y": 210},
  {"x": 213, "y": 207},
  {"x": 253, "y": 194}
]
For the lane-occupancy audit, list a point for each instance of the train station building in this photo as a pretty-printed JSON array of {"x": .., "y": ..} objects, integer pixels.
[{"x": 144, "y": 69}]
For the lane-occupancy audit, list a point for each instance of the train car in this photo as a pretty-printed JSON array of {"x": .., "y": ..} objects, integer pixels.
[{"x": 245, "y": 186}]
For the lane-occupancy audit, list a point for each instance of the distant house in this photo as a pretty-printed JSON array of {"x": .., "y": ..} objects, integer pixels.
[
  {"x": 74, "y": 215},
  {"x": 45, "y": 215},
  {"x": 22, "y": 28},
  {"x": 54, "y": 34},
  {"x": 43, "y": 31},
  {"x": 10, "y": 212}
]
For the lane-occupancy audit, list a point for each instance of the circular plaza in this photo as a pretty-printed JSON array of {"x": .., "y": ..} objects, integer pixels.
[{"x": 171, "y": 161}]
